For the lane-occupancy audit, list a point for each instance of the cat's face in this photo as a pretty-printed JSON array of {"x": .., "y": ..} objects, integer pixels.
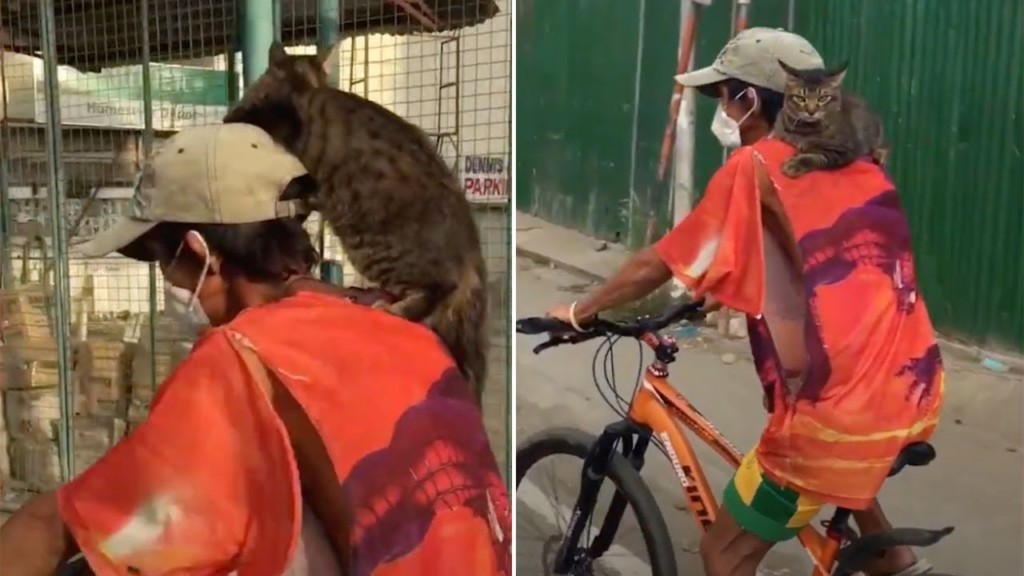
[{"x": 812, "y": 94}]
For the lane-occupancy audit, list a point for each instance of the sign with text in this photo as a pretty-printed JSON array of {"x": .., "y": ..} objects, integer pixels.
[
  {"x": 484, "y": 179},
  {"x": 180, "y": 96}
]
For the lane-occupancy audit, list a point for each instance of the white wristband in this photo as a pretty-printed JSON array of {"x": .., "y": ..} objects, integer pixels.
[{"x": 572, "y": 318}]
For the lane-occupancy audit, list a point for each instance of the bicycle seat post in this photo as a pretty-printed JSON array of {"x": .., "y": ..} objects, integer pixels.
[{"x": 837, "y": 527}]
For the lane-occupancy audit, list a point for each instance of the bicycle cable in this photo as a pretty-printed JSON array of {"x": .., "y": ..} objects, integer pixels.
[
  {"x": 621, "y": 404},
  {"x": 605, "y": 352}
]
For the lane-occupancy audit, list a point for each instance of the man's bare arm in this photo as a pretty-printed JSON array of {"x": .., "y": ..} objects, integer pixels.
[
  {"x": 642, "y": 274},
  {"x": 34, "y": 541}
]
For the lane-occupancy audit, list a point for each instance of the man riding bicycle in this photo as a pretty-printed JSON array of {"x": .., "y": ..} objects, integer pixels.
[
  {"x": 305, "y": 433},
  {"x": 841, "y": 338}
]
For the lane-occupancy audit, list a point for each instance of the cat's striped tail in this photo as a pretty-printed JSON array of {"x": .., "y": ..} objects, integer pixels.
[{"x": 461, "y": 323}]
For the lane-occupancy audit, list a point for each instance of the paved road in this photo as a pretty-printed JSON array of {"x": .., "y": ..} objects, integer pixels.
[{"x": 974, "y": 484}]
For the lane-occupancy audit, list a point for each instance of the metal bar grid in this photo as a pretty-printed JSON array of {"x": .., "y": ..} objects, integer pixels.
[
  {"x": 70, "y": 153},
  {"x": 84, "y": 341},
  {"x": 456, "y": 85}
]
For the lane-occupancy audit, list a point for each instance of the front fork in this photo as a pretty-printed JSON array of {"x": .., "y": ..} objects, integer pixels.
[{"x": 634, "y": 441}]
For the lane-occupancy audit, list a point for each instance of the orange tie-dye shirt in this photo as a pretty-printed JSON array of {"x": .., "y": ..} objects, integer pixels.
[
  {"x": 208, "y": 484},
  {"x": 871, "y": 376}
]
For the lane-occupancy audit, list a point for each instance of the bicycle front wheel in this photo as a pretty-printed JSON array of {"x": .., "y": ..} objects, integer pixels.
[{"x": 586, "y": 537}]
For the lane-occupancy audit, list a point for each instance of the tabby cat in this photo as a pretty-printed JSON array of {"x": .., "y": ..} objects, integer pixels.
[
  {"x": 829, "y": 126},
  {"x": 397, "y": 208}
]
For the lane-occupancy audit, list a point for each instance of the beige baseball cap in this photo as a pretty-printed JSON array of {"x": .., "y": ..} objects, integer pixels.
[
  {"x": 217, "y": 174},
  {"x": 753, "y": 56}
]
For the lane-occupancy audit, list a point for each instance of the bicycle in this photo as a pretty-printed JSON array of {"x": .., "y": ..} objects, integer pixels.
[{"x": 653, "y": 415}]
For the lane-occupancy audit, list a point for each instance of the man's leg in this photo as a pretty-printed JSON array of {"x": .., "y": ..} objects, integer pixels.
[
  {"x": 729, "y": 550},
  {"x": 755, "y": 514},
  {"x": 873, "y": 521}
]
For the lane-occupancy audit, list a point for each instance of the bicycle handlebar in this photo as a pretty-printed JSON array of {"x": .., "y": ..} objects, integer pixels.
[{"x": 563, "y": 333}]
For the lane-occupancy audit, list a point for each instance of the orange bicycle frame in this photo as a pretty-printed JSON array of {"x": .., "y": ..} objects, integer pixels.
[{"x": 658, "y": 406}]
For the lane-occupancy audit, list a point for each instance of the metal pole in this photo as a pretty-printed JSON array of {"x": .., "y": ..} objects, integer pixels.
[
  {"x": 327, "y": 26},
  {"x": 147, "y": 150},
  {"x": 687, "y": 42},
  {"x": 511, "y": 261},
  {"x": 5, "y": 232},
  {"x": 275, "y": 6},
  {"x": 55, "y": 189},
  {"x": 742, "y": 10},
  {"x": 5, "y": 205},
  {"x": 257, "y": 35},
  {"x": 231, "y": 56},
  {"x": 681, "y": 173},
  {"x": 232, "y": 73}
]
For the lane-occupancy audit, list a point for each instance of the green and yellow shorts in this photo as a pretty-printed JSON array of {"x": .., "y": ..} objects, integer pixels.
[{"x": 770, "y": 511}]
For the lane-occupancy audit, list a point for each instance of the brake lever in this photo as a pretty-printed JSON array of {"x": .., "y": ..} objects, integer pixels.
[
  {"x": 547, "y": 344},
  {"x": 559, "y": 339}
]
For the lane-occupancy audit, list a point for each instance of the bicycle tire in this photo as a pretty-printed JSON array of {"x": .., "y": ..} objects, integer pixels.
[{"x": 573, "y": 442}]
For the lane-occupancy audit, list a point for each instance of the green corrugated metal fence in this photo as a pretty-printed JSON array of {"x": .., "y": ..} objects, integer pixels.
[
  {"x": 945, "y": 76},
  {"x": 947, "y": 79},
  {"x": 587, "y": 151}
]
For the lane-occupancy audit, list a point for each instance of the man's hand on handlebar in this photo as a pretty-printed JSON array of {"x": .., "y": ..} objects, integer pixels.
[
  {"x": 564, "y": 312},
  {"x": 560, "y": 330},
  {"x": 561, "y": 312}
]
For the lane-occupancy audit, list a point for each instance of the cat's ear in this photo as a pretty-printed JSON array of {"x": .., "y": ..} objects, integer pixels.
[
  {"x": 837, "y": 74},
  {"x": 324, "y": 53},
  {"x": 789, "y": 70},
  {"x": 277, "y": 53}
]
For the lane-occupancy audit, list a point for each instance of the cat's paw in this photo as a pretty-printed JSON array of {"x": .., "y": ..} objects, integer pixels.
[
  {"x": 801, "y": 164},
  {"x": 880, "y": 157},
  {"x": 381, "y": 305},
  {"x": 793, "y": 168},
  {"x": 394, "y": 308}
]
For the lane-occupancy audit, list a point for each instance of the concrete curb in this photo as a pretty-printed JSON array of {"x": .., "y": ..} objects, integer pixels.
[
  {"x": 967, "y": 351},
  {"x": 545, "y": 260}
]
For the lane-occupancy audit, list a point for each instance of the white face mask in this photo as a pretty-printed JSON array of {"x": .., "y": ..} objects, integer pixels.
[
  {"x": 183, "y": 305},
  {"x": 726, "y": 129}
]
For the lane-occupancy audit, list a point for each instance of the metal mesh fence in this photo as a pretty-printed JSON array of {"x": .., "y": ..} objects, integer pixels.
[
  {"x": 89, "y": 92},
  {"x": 456, "y": 84}
]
